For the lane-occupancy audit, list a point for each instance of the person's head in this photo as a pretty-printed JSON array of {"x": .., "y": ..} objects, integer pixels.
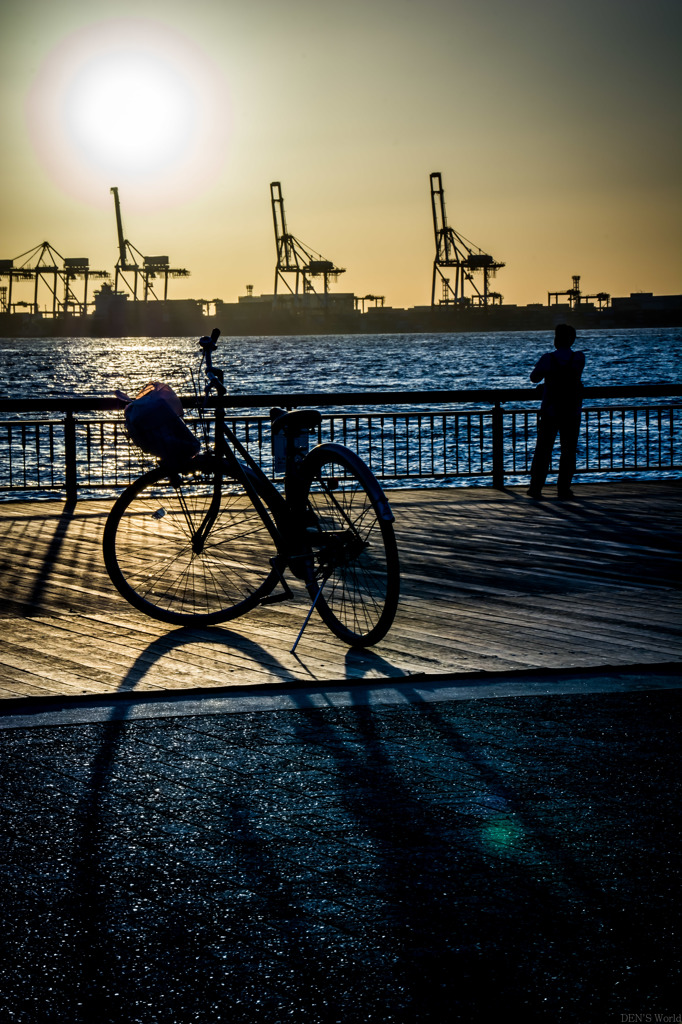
[{"x": 564, "y": 336}]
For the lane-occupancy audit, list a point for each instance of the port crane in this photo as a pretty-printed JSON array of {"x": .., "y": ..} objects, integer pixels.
[
  {"x": 295, "y": 258},
  {"x": 144, "y": 269},
  {"x": 453, "y": 250},
  {"x": 375, "y": 300},
  {"x": 576, "y": 297},
  {"x": 48, "y": 269}
]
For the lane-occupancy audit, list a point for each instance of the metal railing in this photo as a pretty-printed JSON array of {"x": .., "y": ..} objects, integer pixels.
[{"x": 80, "y": 446}]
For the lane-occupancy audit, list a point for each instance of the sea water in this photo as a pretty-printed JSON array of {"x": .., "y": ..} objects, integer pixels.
[
  {"x": 54, "y": 368},
  {"x": 88, "y": 367}
]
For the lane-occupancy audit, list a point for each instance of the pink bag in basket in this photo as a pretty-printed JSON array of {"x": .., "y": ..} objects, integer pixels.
[{"x": 154, "y": 422}]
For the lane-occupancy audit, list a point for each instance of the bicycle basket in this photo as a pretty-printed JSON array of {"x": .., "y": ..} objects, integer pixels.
[{"x": 154, "y": 422}]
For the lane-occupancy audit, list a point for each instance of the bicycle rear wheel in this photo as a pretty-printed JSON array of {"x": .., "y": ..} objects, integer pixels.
[
  {"x": 155, "y": 561},
  {"x": 354, "y": 551}
]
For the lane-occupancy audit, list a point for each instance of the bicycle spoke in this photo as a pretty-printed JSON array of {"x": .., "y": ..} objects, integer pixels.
[
  {"x": 353, "y": 549},
  {"x": 159, "y": 560}
]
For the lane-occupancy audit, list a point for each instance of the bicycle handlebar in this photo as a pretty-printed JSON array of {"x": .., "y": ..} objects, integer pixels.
[{"x": 209, "y": 345}]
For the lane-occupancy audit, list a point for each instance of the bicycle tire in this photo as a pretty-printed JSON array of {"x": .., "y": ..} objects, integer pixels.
[
  {"x": 354, "y": 554},
  {"x": 148, "y": 553}
]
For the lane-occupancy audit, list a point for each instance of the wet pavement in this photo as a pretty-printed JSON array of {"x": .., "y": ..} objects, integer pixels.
[{"x": 467, "y": 855}]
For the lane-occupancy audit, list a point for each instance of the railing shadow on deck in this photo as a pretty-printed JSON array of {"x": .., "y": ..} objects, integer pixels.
[{"x": 35, "y": 599}]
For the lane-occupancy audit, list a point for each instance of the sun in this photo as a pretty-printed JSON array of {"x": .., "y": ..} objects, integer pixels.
[
  {"x": 131, "y": 112},
  {"x": 132, "y": 103}
]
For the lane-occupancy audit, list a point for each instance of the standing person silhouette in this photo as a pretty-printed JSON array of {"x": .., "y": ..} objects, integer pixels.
[{"x": 560, "y": 412}]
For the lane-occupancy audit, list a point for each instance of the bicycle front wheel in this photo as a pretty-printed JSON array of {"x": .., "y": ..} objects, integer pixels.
[
  {"x": 155, "y": 560},
  {"x": 354, "y": 552}
]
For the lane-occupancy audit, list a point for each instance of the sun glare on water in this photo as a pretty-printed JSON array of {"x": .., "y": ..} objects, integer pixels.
[{"x": 131, "y": 103}]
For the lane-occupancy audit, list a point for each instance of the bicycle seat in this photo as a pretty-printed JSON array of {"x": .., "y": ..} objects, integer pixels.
[{"x": 296, "y": 421}]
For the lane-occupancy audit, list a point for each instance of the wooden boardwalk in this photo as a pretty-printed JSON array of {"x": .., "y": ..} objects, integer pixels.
[{"x": 491, "y": 582}]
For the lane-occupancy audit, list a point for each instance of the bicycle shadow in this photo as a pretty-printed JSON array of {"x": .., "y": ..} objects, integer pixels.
[
  {"x": 266, "y": 668},
  {"x": 424, "y": 851},
  {"x": 171, "y": 643},
  {"x": 361, "y": 663},
  {"x": 420, "y": 862},
  {"x": 94, "y": 960}
]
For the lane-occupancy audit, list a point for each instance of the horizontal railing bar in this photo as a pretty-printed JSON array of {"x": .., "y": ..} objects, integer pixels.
[
  {"x": 489, "y": 396},
  {"x": 255, "y": 418},
  {"x": 41, "y": 422}
]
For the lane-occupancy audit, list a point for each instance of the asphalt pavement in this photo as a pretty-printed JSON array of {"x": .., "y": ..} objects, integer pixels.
[{"x": 462, "y": 851}]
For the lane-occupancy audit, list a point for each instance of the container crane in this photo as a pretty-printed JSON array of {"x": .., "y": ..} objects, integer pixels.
[
  {"x": 453, "y": 250},
  {"x": 576, "y": 297},
  {"x": 376, "y": 300},
  {"x": 42, "y": 265},
  {"x": 74, "y": 268},
  {"x": 144, "y": 269},
  {"x": 18, "y": 273},
  {"x": 293, "y": 257}
]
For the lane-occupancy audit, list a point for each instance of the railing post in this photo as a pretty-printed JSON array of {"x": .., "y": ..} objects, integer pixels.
[
  {"x": 498, "y": 446},
  {"x": 70, "y": 468}
]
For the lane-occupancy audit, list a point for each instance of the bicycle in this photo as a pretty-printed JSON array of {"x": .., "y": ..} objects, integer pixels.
[{"x": 211, "y": 540}]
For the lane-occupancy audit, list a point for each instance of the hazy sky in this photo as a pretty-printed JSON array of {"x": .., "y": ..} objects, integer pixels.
[{"x": 555, "y": 125}]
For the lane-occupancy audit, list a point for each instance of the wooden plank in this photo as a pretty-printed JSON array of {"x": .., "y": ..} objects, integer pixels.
[{"x": 490, "y": 580}]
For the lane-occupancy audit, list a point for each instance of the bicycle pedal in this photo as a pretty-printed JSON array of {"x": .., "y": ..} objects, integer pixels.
[{"x": 276, "y": 598}]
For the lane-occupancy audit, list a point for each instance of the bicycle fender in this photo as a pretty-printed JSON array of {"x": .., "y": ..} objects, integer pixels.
[{"x": 384, "y": 511}]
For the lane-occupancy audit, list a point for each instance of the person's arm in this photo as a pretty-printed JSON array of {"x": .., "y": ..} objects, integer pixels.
[{"x": 540, "y": 369}]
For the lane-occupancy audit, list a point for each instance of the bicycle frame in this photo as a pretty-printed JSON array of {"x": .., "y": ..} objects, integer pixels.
[{"x": 277, "y": 517}]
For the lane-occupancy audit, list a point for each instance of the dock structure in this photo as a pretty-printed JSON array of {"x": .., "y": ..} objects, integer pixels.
[{"x": 491, "y": 583}]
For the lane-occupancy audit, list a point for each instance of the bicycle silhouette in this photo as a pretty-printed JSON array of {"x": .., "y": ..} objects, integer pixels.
[{"x": 209, "y": 541}]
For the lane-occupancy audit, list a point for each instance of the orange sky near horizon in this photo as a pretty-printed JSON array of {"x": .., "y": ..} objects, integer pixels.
[{"x": 556, "y": 127}]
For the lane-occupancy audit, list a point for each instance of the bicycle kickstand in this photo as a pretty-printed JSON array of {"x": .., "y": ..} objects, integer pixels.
[{"x": 307, "y": 618}]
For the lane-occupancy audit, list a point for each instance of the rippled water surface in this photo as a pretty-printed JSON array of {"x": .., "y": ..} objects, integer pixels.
[{"x": 58, "y": 367}]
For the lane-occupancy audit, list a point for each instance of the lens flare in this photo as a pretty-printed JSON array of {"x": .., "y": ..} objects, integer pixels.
[
  {"x": 130, "y": 103},
  {"x": 502, "y": 834}
]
